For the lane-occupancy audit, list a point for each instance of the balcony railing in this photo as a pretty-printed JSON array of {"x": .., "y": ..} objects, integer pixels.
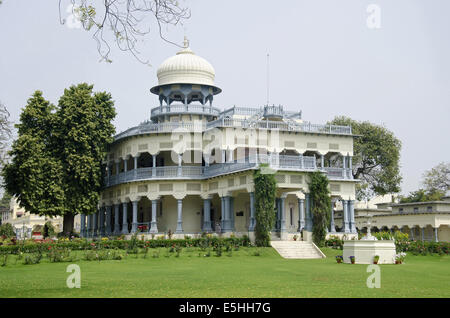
[
  {"x": 282, "y": 162},
  {"x": 196, "y": 126},
  {"x": 285, "y": 126},
  {"x": 189, "y": 109}
]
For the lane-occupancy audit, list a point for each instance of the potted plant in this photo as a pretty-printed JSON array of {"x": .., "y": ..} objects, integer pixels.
[
  {"x": 376, "y": 259},
  {"x": 352, "y": 259},
  {"x": 339, "y": 259},
  {"x": 295, "y": 237},
  {"x": 399, "y": 258}
]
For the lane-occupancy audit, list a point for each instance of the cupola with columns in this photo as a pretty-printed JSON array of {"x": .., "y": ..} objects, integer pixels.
[{"x": 185, "y": 86}]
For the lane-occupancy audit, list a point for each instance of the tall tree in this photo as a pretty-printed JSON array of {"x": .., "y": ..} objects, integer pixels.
[
  {"x": 438, "y": 178},
  {"x": 376, "y": 158},
  {"x": 56, "y": 160},
  {"x": 422, "y": 195},
  {"x": 265, "y": 194},
  {"x": 34, "y": 174},
  {"x": 83, "y": 133},
  {"x": 5, "y": 133},
  {"x": 321, "y": 202}
]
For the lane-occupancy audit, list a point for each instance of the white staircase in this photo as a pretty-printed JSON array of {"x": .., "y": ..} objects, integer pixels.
[{"x": 297, "y": 249}]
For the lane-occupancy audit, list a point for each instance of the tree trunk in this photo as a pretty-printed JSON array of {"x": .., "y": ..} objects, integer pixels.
[{"x": 68, "y": 221}]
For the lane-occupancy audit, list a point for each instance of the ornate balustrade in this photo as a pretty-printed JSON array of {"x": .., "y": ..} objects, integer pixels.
[
  {"x": 280, "y": 125},
  {"x": 284, "y": 163},
  {"x": 188, "y": 109},
  {"x": 224, "y": 121}
]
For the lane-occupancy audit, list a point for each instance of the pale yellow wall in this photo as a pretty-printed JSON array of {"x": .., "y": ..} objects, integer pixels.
[
  {"x": 444, "y": 233},
  {"x": 230, "y": 138}
]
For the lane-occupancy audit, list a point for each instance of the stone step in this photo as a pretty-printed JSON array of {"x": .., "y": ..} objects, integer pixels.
[{"x": 297, "y": 249}]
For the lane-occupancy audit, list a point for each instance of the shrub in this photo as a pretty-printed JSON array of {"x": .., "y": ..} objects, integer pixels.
[
  {"x": 218, "y": 250},
  {"x": 265, "y": 193},
  {"x": 31, "y": 259},
  {"x": 156, "y": 253},
  {"x": 7, "y": 230},
  {"x": 132, "y": 246},
  {"x": 334, "y": 242},
  {"x": 320, "y": 206},
  {"x": 59, "y": 255},
  {"x": 4, "y": 259}
]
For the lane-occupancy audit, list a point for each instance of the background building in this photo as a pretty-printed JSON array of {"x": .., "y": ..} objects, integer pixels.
[
  {"x": 24, "y": 221},
  {"x": 428, "y": 221}
]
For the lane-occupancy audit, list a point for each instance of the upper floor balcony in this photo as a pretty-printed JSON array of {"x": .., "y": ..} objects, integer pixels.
[
  {"x": 281, "y": 125},
  {"x": 281, "y": 162},
  {"x": 198, "y": 126},
  {"x": 177, "y": 109}
]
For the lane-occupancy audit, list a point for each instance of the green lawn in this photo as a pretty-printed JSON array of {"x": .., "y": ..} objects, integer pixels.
[{"x": 242, "y": 275}]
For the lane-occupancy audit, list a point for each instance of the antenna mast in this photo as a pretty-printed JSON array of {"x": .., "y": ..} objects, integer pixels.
[{"x": 267, "y": 79}]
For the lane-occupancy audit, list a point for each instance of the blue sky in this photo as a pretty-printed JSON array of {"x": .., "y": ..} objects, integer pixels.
[{"x": 324, "y": 60}]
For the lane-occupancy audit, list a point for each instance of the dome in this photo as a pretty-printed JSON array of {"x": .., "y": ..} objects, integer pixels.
[{"x": 186, "y": 68}]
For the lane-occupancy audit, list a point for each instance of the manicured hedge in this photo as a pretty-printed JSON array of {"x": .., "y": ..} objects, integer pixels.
[
  {"x": 83, "y": 244},
  {"x": 424, "y": 247},
  {"x": 402, "y": 244}
]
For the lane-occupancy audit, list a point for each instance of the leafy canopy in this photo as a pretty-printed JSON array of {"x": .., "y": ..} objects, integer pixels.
[
  {"x": 376, "y": 158},
  {"x": 422, "y": 195},
  {"x": 438, "y": 178},
  {"x": 56, "y": 166}
]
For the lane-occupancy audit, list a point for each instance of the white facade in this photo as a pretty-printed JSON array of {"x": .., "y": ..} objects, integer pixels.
[
  {"x": 426, "y": 221},
  {"x": 189, "y": 169},
  {"x": 24, "y": 221}
]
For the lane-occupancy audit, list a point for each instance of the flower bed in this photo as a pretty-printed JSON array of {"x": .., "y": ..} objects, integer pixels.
[
  {"x": 31, "y": 246},
  {"x": 335, "y": 242}
]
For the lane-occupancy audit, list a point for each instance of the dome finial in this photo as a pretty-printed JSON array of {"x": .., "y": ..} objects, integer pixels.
[{"x": 186, "y": 42}]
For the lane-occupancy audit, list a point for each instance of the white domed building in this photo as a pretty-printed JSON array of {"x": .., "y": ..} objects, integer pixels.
[{"x": 189, "y": 168}]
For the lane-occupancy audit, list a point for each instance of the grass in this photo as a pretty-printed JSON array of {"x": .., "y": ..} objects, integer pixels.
[{"x": 242, "y": 275}]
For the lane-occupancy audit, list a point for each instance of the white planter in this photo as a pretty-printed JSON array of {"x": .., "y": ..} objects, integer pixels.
[{"x": 364, "y": 251}]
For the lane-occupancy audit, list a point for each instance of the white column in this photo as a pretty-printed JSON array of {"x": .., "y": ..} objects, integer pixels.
[
  {"x": 332, "y": 225},
  {"x": 179, "y": 165},
  {"x": 352, "y": 216},
  {"x": 154, "y": 166},
  {"x": 223, "y": 221},
  {"x": 308, "y": 213},
  {"x": 227, "y": 215},
  {"x": 125, "y": 218},
  {"x": 134, "y": 223},
  {"x": 154, "y": 224},
  {"x": 345, "y": 216},
  {"x": 301, "y": 214},
  {"x": 116, "y": 219},
  {"x": 283, "y": 214},
  {"x": 252, "y": 212},
  {"x": 179, "y": 229},
  {"x": 207, "y": 215}
]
